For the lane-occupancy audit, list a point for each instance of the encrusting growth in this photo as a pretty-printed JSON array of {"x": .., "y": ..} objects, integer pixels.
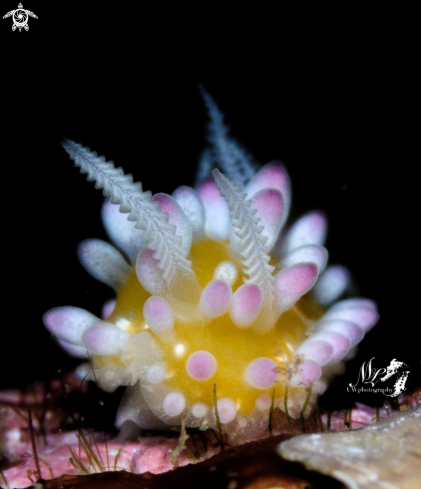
[{"x": 210, "y": 290}]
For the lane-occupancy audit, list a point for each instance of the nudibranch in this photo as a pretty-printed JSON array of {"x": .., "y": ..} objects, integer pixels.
[{"x": 218, "y": 310}]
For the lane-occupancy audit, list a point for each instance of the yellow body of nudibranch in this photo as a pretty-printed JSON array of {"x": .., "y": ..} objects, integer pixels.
[
  {"x": 220, "y": 310},
  {"x": 233, "y": 348}
]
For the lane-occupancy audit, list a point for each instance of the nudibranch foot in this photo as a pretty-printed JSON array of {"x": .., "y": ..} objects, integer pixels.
[{"x": 211, "y": 292}]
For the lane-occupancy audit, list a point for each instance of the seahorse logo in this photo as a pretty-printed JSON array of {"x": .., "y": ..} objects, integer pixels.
[
  {"x": 402, "y": 372},
  {"x": 20, "y": 18},
  {"x": 370, "y": 375}
]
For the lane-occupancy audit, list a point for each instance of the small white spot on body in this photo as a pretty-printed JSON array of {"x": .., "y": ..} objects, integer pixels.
[
  {"x": 227, "y": 409},
  {"x": 179, "y": 350},
  {"x": 156, "y": 373},
  {"x": 242, "y": 422},
  {"x": 199, "y": 410},
  {"x": 263, "y": 402},
  {"x": 227, "y": 271},
  {"x": 174, "y": 403},
  {"x": 123, "y": 324}
]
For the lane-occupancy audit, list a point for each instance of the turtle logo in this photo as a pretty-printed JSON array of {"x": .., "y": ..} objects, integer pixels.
[{"x": 20, "y": 17}]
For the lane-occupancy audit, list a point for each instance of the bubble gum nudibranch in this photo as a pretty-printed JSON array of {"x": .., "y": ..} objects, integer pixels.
[{"x": 211, "y": 293}]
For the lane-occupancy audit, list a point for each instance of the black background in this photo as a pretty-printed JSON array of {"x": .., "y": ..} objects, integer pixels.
[{"x": 336, "y": 101}]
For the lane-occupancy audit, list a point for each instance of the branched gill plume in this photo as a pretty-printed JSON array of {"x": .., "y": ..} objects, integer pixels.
[{"x": 236, "y": 163}]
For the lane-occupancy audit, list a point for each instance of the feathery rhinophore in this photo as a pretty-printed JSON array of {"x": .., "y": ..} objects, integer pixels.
[
  {"x": 158, "y": 233},
  {"x": 250, "y": 246}
]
